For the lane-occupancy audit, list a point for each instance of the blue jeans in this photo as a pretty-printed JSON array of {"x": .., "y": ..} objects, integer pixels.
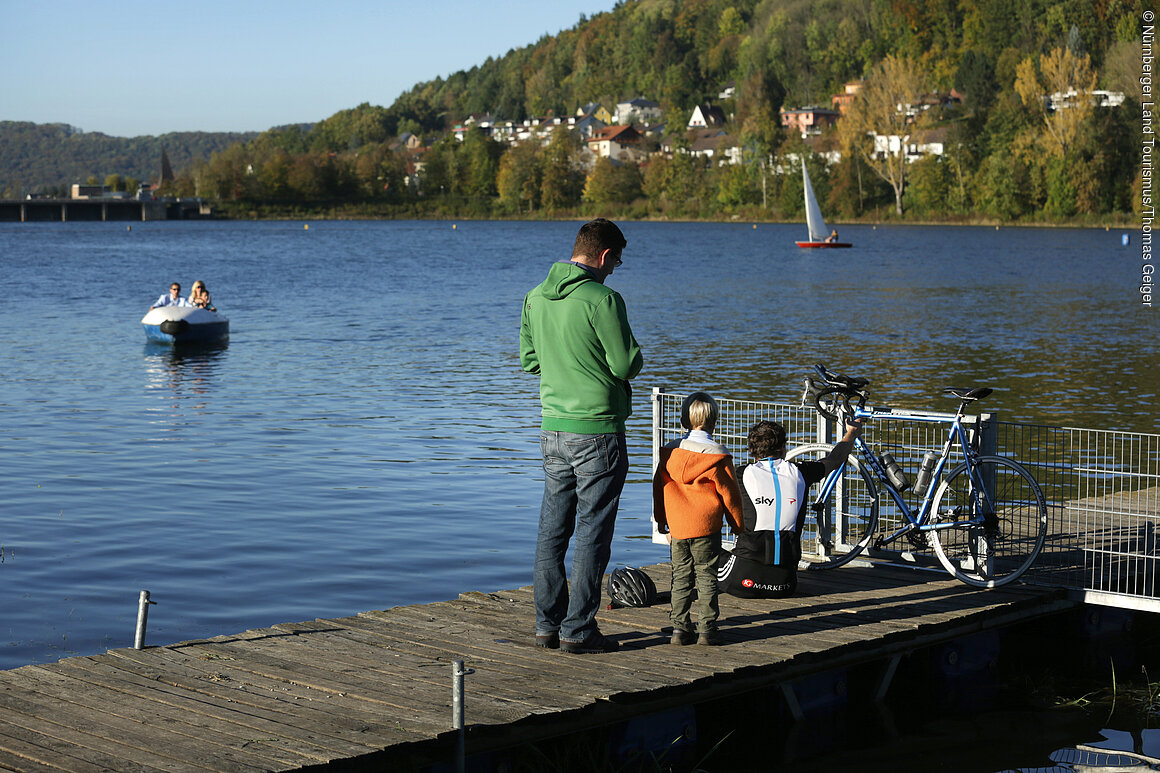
[{"x": 583, "y": 478}]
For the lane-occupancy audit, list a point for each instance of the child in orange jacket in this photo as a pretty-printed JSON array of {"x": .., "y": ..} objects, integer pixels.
[{"x": 694, "y": 488}]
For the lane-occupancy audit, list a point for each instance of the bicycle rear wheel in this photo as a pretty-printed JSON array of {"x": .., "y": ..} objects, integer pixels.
[
  {"x": 844, "y": 524},
  {"x": 1004, "y": 522}
]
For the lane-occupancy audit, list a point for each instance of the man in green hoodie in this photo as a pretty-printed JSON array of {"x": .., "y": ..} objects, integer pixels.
[{"x": 574, "y": 334}]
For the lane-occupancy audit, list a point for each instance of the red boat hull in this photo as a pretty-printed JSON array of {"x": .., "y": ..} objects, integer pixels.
[{"x": 822, "y": 245}]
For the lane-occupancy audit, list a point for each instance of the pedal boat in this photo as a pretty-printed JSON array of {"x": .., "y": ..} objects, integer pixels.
[{"x": 185, "y": 324}]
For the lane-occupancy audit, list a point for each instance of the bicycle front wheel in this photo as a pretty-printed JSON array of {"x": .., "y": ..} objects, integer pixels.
[
  {"x": 844, "y": 518},
  {"x": 1000, "y": 522}
]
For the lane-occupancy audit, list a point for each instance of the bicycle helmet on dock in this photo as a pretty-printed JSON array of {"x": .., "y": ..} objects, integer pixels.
[{"x": 630, "y": 587}]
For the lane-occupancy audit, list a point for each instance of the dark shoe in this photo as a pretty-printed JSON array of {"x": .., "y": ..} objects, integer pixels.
[
  {"x": 710, "y": 639},
  {"x": 595, "y": 643},
  {"x": 548, "y": 641},
  {"x": 682, "y": 637}
]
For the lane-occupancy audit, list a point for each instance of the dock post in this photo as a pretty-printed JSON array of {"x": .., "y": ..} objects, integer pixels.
[
  {"x": 457, "y": 674},
  {"x": 887, "y": 677},
  {"x": 791, "y": 701},
  {"x": 142, "y": 618},
  {"x": 988, "y": 444}
]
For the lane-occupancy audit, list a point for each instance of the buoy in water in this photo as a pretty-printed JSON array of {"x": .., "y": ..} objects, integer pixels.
[
  {"x": 1124, "y": 240},
  {"x": 306, "y": 226},
  {"x": 453, "y": 226}
]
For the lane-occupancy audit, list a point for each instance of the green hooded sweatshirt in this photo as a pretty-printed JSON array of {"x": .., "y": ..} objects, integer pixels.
[{"x": 574, "y": 333}]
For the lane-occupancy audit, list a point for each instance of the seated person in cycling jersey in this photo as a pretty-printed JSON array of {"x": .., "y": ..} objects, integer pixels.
[{"x": 773, "y": 501}]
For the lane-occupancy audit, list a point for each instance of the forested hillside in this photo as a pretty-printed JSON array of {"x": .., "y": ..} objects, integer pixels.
[
  {"x": 1006, "y": 151},
  {"x": 51, "y": 157}
]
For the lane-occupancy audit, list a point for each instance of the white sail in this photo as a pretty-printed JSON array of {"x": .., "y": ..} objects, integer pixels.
[{"x": 814, "y": 221}]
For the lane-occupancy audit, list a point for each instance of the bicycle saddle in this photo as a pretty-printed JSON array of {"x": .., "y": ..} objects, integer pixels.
[
  {"x": 835, "y": 379},
  {"x": 968, "y": 395}
]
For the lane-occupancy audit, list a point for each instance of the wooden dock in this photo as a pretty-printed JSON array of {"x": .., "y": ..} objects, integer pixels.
[{"x": 375, "y": 689}]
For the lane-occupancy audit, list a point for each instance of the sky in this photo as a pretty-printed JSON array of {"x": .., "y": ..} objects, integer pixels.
[{"x": 132, "y": 68}]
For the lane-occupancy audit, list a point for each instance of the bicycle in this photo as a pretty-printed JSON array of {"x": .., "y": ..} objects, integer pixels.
[{"x": 986, "y": 519}]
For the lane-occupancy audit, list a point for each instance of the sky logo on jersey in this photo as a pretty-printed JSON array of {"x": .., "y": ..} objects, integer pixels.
[{"x": 770, "y": 501}]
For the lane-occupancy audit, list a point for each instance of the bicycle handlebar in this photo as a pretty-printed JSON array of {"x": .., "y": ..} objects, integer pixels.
[
  {"x": 832, "y": 398},
  {"x": 838, "y": 380}
]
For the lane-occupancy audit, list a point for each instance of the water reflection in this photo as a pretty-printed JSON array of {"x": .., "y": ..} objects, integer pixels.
[{"x": 183, "y": 373}]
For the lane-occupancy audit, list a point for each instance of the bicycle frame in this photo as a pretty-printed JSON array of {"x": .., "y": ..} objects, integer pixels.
[{"x": 916, "y": 520}]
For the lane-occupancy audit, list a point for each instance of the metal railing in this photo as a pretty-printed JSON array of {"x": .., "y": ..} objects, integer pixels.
[{"x": 1102, "y": 488}]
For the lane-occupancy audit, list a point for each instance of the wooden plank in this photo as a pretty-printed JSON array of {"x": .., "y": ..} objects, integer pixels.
[
  {"x": 356, "y": 657},
  {"x": 132, "y": 698},
  {"x": 86, "y": 732},
  {"x": 418, "y": 634},
  {"x": 492, "y": 675},
  {"x": 510, "y": 681},
  {"x": 35, "y": 752},
  {"x": 182, "y": 729},
  {"x": 156, "y": 693},
  {"x": 245, "y": 656},
  {"x": 345, "y": 719},
  {"x": 293, "y": 666},
  {"x": 419, "y": 649},
  {"x": 60, "y": 692},
  {"x": 596, "y": 669}
]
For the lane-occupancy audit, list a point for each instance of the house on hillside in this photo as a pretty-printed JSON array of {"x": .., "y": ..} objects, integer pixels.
[
  {"x": 618, "y": 142},
  {"x": 808, "y": 120},
  {"x": 825, "y": 146},
  {"x": 841, "y": 102},
  {"x": 480, "y": 121},
  {"x": 705, "y": 116},
  {"x": 1062, "y": 100},
  {"x": 587, "y": 125},
  {"x": 654, "y": 132},
  {"x": 596, "y": 110},
  {"x": 921, "y": 143},
  {"x": 713, "y": 144},
  {"x": 638, "y": 110},
  {"x": 913, "y": 109},
  {"x": 406, "y": 141},
  {"x": 84, "y": 191}
]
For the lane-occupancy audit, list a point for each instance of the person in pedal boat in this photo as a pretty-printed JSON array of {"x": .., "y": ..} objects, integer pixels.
[{"x": 172, "y": 299}]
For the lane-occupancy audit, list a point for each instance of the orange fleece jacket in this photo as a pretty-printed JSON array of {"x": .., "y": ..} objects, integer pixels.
[{"x": 693, "y": 490}]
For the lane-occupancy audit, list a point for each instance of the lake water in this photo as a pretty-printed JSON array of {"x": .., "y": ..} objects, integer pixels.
[{"x": 367, "y": 438}]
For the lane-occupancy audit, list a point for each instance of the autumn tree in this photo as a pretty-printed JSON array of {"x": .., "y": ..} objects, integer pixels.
[
  {"x": 882, "y": 118},
  {"x": 230, "y": 174},
  {"x": 1067, "y": 80},
  {"x": 563, "y": 179},
  {"x": 735, "y": 186},
  {"x": 481, "y": 156},
  {"x": 611, "y": 182},
  {"x": 519, "y": 178}
]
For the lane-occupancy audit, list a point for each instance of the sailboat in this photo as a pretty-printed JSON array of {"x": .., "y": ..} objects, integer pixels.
[{"x": 819, "y": 231}]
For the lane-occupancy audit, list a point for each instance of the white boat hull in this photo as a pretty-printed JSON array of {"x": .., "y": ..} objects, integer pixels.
[{"x": 185, "y": 324}]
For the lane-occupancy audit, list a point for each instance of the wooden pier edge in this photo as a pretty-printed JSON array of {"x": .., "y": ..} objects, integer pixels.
[{"x": 363, "y": 691}]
